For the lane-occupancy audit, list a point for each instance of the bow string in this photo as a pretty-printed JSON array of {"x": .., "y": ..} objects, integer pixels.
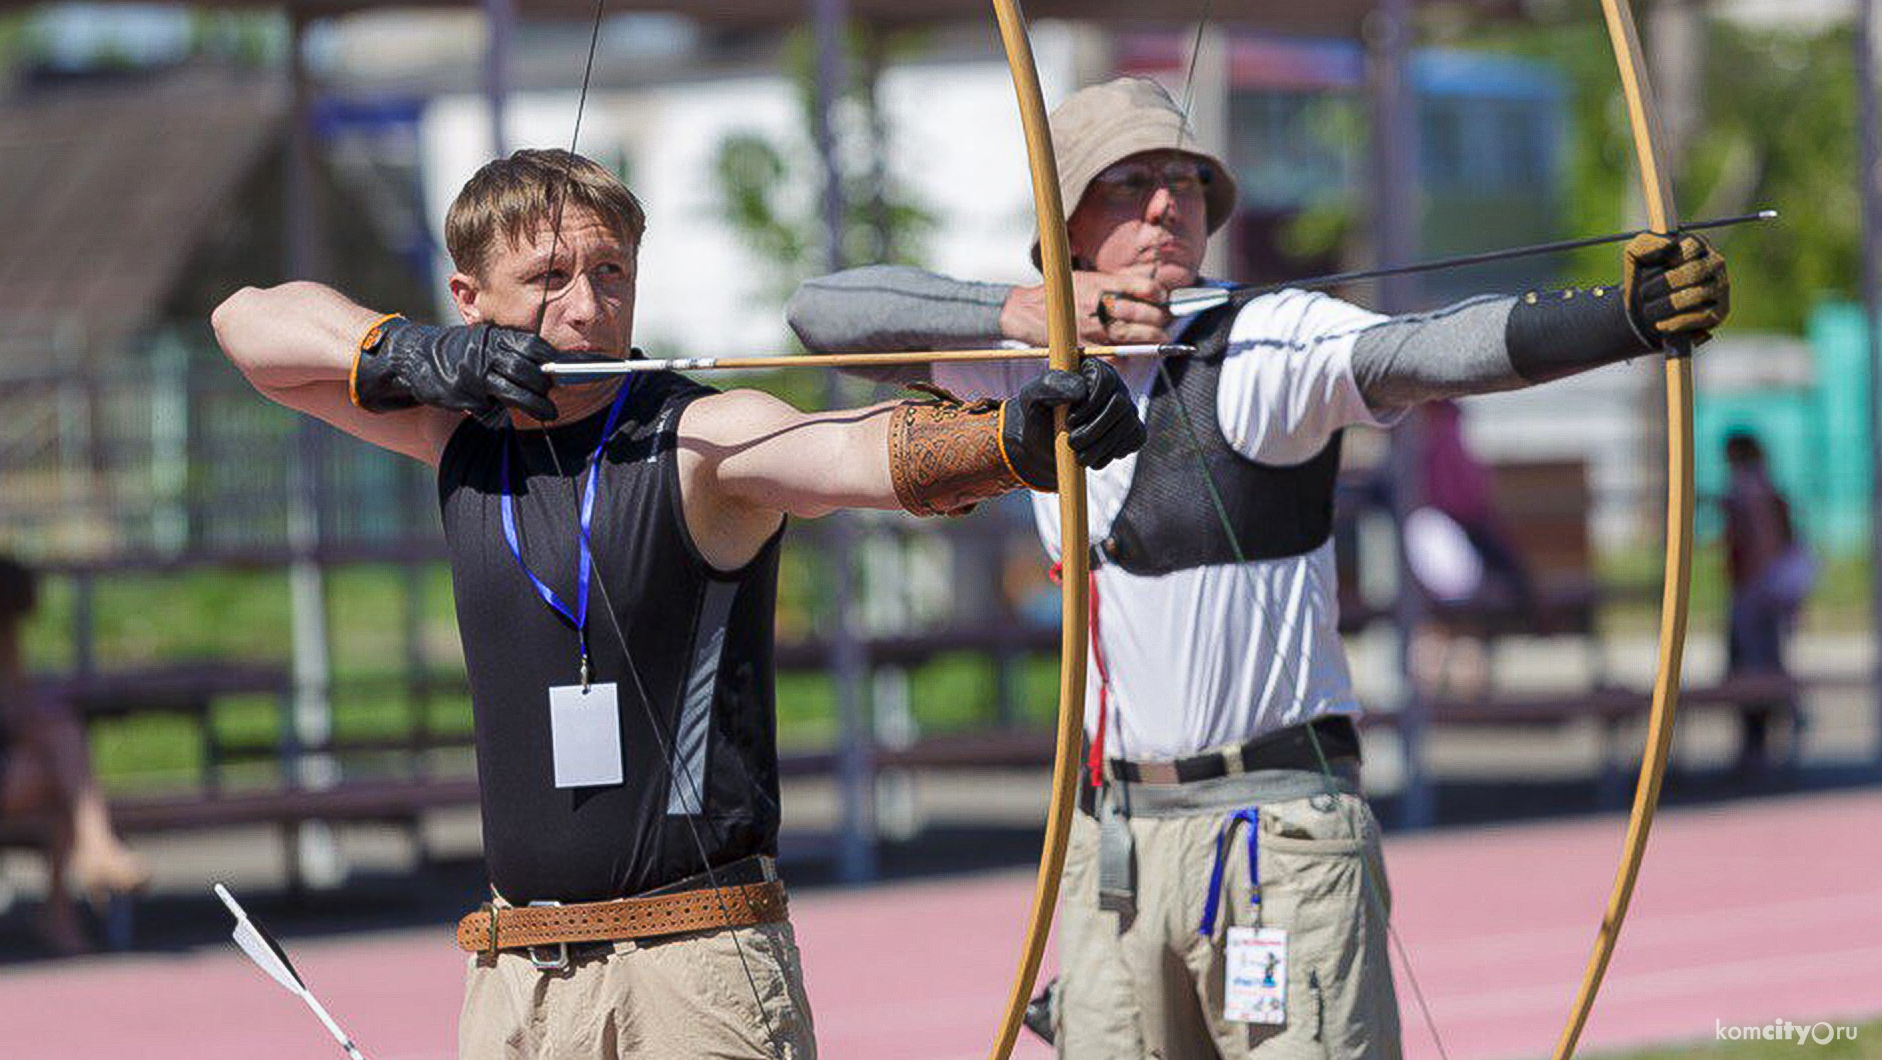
[{"x": 1662, "y": 216}]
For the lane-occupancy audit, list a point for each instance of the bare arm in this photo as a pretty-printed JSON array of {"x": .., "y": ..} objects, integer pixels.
[
  {"x": 296, "y": 344},
  {"x": 748, "y": 459}
]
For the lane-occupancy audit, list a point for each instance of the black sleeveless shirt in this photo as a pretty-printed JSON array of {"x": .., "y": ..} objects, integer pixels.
[
  {"x": 1169, "y": 520},
  {"x": 697, "y": 712}
]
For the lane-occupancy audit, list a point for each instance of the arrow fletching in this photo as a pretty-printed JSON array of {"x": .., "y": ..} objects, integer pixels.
[
  {"x": 1187, "y": 301},
  {"x": 261, "y": 946},
  {"x": 271, "y": 958}
]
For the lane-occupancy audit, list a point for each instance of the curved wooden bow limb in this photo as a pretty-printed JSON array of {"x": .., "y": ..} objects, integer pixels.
[
  {"x": 1074, "y": 546},
  {"x": 1662, "y": 217}
]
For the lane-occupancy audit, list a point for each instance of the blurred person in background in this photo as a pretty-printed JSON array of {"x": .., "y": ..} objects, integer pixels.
[
  {"x": 46, "y": 776},
  {"x": 627, "y": 762},
  {"x": 1771, "y": 573},
  {"x": 1465, "y": 559},
  {"x": 1224, "y": 755}
]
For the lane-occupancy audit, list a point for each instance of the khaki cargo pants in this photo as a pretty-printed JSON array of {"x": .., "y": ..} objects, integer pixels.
[
  {"x": 1151, "y": 986},
  {"x": 694, "y": 995}
]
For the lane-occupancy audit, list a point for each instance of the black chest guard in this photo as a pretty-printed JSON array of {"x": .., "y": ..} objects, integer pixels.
[{"x": 1169, "y": 520}]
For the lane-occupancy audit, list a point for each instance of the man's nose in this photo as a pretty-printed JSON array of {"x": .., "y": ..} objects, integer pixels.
[
  {"x": 1162, "y": 205},
  {"x": 579, "y": 303}
]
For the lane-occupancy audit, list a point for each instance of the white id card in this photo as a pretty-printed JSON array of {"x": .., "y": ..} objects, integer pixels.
[
  {"x": 1255, "y": 989},
  {"x": 585, "y": 731}
]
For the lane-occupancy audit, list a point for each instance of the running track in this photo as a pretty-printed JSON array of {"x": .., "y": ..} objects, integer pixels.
[{"x": 1745, "y": 914}]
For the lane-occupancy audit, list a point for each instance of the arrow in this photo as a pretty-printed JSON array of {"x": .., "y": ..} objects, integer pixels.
[
  {"x": 1185, "y": 301},
  {"x": 268, "y": 954},
  {"x": 576, "y": 372}
]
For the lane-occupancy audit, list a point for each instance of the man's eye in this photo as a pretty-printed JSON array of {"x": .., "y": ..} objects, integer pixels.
[{"x": 1128, "y": 185}]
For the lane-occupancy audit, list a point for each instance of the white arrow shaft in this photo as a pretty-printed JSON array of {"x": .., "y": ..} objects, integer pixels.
[
  {"x": 339, "y": 1035},
  {"x": 572, "y": 370}
]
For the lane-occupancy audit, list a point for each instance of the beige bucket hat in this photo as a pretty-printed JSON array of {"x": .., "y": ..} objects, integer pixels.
[{"x": 1099, "y": 126}]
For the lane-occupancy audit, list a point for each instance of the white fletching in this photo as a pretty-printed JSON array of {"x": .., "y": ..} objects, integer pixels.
[
  {"x": 259, "y": 947},
  {"x": 268, "y": 954},
  {"x": 1187, "y": 301}
]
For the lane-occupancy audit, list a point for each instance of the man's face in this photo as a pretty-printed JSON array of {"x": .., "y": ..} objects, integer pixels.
[
  {"x": 1147, "y": 215},
  {"x": 584, "y": 295}
]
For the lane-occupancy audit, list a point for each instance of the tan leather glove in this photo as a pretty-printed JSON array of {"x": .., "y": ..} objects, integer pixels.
[{"x": 1676, "y": 287}]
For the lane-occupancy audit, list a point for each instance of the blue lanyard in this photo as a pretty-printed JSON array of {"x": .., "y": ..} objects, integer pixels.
[
  {"x": 584, "y": 545},
  {"x": 1252, "y": 818}
]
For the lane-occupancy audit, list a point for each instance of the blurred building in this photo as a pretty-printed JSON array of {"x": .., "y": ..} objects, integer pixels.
[
  {"x": 175, "y": 196},
  {"x": 134, "y": 199}
]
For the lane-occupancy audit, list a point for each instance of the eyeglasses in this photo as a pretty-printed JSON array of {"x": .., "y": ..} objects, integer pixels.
[{"x": 1130, "y": 182}]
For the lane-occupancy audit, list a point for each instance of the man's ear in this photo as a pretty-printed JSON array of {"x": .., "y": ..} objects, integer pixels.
[{"x": 464, "y": 292}]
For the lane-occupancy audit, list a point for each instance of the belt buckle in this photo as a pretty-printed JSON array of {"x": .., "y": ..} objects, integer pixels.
[{"x": 549, "y": 964}]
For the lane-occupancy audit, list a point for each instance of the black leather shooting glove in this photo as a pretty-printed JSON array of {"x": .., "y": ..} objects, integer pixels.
[
  {"x": 1101, "y": 418},
  {"x": 479, "y": 369}
]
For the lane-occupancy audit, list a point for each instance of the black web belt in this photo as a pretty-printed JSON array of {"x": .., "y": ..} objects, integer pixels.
[{"x": 1294, "y": 747}]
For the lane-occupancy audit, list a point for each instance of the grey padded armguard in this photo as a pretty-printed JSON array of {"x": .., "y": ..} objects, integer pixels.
[
  {"x": 894, "y": 307},
  {"x": 1492, "y": 343},
  {"x": 1553, "y": 334}
]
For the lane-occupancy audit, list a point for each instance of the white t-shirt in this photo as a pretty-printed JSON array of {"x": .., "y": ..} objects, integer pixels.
[{"x": 1217, "y": 655}]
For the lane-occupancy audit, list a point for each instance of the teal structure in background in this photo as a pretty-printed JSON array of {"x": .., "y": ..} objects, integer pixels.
[{"x": 1815, "y": 435}]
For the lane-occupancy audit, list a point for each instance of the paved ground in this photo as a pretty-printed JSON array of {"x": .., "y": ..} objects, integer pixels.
[
  {"x": 1759, "y": 902},
  {"x": 1749, "y": 912}
]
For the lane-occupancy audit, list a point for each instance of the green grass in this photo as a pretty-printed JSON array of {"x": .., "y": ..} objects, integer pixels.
[
  {"x": 206, "y": 615},
  {"x": 1840, "y": 601},
  {"x": 244, "y": 615}
]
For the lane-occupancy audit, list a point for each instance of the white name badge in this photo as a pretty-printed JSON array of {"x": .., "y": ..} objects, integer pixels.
[
  {"x": 1255, "y": 989},
  {"x": 585, "y": 731}
]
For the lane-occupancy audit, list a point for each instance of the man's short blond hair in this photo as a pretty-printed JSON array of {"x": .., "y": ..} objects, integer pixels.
[{"x": 511, "y": 198}]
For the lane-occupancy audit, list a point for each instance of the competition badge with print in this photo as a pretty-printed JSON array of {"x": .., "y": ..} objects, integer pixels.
[
  {"x": 1255, "y": 988},
  {"x": 1254, "y": 985}
]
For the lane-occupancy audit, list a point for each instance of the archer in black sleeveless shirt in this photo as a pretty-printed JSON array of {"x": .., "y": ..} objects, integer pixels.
[{"x": 697, "y": 717}]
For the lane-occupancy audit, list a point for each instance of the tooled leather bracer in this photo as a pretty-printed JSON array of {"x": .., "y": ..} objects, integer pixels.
[{"x": 1169, "y": 521}]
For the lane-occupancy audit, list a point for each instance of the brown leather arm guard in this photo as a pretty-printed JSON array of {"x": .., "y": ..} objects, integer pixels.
[{"x": 945, "y": 456}]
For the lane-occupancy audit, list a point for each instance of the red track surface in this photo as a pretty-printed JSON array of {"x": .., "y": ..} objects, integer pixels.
[{"x": 1744, "y": 915}]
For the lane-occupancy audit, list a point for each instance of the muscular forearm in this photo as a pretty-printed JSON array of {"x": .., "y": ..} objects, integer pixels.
[
  {"x": 1492, "y": 344},
  {"x": 894, "y": 307},
  {"x": 934, "y": 457},
  {"x": 927, "y": 457},
  {"x": 808, "y": 465},
  {"x": 291, "y": 336},
  {"x": 297, "y": 344}
]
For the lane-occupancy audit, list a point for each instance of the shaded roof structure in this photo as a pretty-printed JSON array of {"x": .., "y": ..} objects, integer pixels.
[
  {"x": 105, "y": 193},
  {"x": 1319, "y": 17}
]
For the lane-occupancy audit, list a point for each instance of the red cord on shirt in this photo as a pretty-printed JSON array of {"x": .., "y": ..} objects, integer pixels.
[{"x": 1094, "y": 761}]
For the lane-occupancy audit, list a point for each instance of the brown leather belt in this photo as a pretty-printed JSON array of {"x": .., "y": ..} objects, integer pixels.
[{"x": 494, "y": 927}]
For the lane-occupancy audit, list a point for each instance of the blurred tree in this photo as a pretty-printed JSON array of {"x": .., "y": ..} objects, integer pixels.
[
  {"x": 1778, "y": 130},
  {"x": 12, "y": 45},
  {"x": 769, "y": 188}
]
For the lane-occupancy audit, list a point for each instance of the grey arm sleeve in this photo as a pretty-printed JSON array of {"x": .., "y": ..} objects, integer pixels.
[
  {"x": 1447, "y": 353},
  {"x": 1492, "y": 343},
  {"x": 881, "y": 308}
]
